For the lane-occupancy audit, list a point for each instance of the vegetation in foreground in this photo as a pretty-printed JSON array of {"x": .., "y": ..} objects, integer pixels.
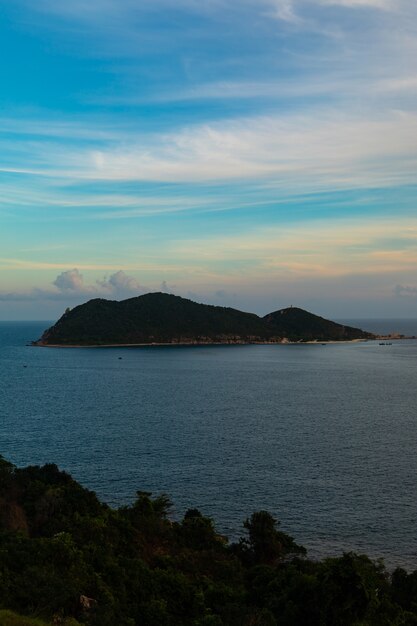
[
  {"x": 10, "y": 618},
  {"x": 67, "y": 559}
]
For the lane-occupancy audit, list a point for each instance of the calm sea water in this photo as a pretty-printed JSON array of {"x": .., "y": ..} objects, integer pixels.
[{"x": 323, "y": 437}]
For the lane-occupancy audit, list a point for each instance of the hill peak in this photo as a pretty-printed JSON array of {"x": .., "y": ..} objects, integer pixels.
[{"x": 297, "y": 322}]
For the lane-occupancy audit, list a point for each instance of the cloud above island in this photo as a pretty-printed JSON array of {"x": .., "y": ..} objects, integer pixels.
[
  {"x": 71, "y": 280},
  {"x": 70, "y": 285},
  {"x": 309, "y": 263}
]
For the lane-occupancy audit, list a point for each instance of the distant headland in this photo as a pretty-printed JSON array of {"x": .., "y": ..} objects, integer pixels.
[{"x": 160, "y": 319}]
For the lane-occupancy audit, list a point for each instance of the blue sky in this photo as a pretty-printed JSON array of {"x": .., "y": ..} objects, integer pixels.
[{"x": 251, "y": 153}]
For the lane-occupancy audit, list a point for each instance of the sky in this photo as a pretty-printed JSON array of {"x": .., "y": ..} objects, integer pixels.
[{"x": 244, "y": 153}]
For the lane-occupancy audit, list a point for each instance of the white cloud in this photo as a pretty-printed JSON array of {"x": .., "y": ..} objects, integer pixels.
[
  {"x": 120, "y": 285},
  {"x": 318, "y": 149},
  {"x": 352, "y": 4},
  {"x": 121, "y": 26},
  {"x": 382, "y": 5},
  {"x": 70, "y": 286},
  {"x": 303, "y": 13},
  {"x": 313, "y": 151},
  {"x": 71, "y": 280},
  {"x": 284, "y": 10},
  {"x": 99, "y": 10}
]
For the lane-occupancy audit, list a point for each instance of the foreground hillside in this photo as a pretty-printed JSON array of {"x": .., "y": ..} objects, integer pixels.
[
  {"x": 66, "y": 558},
  {"x": 10, "y": 618},
  {"x": 164, "y": 318}
]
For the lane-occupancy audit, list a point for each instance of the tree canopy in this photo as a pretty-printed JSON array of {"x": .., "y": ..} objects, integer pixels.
[{"x": 68, "y": 559}]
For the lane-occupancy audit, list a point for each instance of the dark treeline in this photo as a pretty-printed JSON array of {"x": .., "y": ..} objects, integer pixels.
[{"x": 66, "y": 558}]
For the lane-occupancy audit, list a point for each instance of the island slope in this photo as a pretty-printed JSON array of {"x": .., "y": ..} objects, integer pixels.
[
  {"x": 299, "y": 325},
  {"x": 159, "y": 318}
]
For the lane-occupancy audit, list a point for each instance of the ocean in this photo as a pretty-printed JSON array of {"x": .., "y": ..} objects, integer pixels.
[{"x": 323, "y": 437}]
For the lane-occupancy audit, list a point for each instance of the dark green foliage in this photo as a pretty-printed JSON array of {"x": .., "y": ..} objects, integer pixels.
[
  {"x": 65, "y": 558},
  {"x": 405, "y": 589},
  {"x": 299, "y": 325},
  {"x": 9, "y": 618},
  {"x": 164, "y": 318},
  {"x": 198, "y": 532},
  {"x": 266, "y": 544}
]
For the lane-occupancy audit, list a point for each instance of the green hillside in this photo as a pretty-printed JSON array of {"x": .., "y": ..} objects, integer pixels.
[
  {"x": 66, "y": 558},
  {"x": 164, "y": 318},
  {"x": 297, "y": 324}
]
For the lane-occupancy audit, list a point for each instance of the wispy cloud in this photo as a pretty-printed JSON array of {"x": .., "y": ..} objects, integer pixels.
[
  {"x": 316, "y": 249},
  {"x": 385, "y": 5},
  {"x": 344, "y": 86},
  {"x": 285, "y": 156},
  {"x": 285, "y": 10},
  {"x": 321, "y": 151},
  {"x": 348, "y": 128}
]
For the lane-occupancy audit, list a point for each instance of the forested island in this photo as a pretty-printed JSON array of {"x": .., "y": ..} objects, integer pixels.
[
  {"x": 160, "y": 318},
  {"x": 68, "y": 559}
]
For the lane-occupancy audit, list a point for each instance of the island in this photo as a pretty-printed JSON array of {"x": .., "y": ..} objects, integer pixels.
[{"x": 161, "y": 318}]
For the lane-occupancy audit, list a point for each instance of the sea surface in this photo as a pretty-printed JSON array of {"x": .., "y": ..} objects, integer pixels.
[{"x": 324, "y": 437}]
